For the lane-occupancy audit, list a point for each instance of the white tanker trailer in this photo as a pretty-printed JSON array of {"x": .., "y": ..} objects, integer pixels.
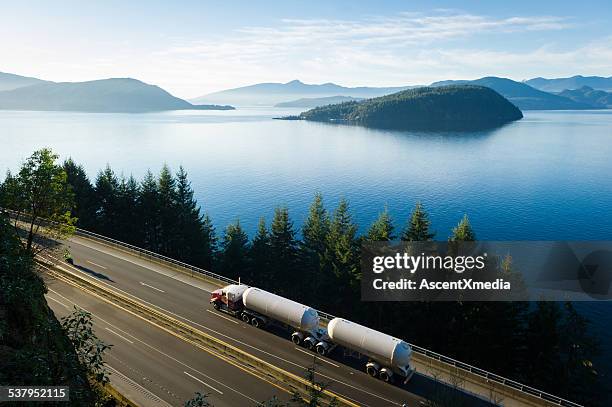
[
  {"x": 387, "y": 355},
  {"x": 259, "y": 307}
]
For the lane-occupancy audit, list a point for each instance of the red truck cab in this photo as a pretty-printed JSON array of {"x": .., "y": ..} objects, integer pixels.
[{"x": 228, "y": 298}]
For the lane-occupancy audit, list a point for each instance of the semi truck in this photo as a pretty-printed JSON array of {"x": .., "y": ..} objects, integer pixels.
[{"x": 388, "y": 357}]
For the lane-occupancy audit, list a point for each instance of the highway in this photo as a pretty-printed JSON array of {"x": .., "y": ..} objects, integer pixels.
[
  {"x": 186, "y": 298},
  {"x": 153, "y": 367}
]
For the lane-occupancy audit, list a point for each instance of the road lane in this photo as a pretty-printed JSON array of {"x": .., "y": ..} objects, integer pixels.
[
  {"x": 187, "y": 298},
  {"x": 190, "y": 302},
  {"x": 156, "y": 360}
]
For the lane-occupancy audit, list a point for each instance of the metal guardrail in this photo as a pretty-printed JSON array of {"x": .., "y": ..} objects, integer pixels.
[
  {"x": 152, "y": 255},
  {"x": 423, "y": 351}
]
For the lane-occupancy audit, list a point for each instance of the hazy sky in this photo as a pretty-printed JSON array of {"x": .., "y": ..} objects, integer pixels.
[{"x": 195, "y": 47}]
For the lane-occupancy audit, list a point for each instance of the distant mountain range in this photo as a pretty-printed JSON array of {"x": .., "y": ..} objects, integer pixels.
[
  {"x": 9, "y": 81},
  {"x": 575, "y": 82},
  {"x": 522, "y": 95},
  {"x": 585, "y": 94},
  {"x": 270, "y": 94},
  {"x": 315, "y": 102},
  {"x": 105, "y": 95},
  {"x": 454, "y": 108}
]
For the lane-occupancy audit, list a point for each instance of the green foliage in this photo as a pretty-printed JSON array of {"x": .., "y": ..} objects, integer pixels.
[
  {"x": 546, "y": 345},
  {"x": 33, "y": 347},
  {"x": 199, "y": 400},
  {"x": 283, "y": 253},
  {"x": 41, "y": 191},
  {"x": 463, "y": 232},
  {"x": 382, "y": 229},
  {"x": 457, "y": 107},
  {"x": 417, "y": 229},
  {"x": 234, "y": 262},
  {"x": 78, "y": 326},
  {"x": 84, "y": 208}
]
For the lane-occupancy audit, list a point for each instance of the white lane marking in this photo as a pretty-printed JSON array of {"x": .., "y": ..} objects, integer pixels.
[
  {"x": 204, "y": 383},
  {"x": 158, "y": 351},
  {"x": 122, "y": 337},
  {"x": 174, "y": 277},
  {"x": 222, "y": 316},
  {"x": 96, "y": 264},
  {"x": 318, "y": 357},
  {"x": 391, "y": 402},
  {"x": 150, "y": 286},
  {"x": 59, "y": 302}
]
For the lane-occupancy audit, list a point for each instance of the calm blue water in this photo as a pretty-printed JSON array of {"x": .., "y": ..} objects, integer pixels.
[{"x": 546, "y": 177}]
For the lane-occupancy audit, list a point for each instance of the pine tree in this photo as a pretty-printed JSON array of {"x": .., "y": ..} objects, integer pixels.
[
  {"x": 313, "y": 248},
  {"x": 260, "y": 257},
  {"x": 148, "y": 212},
  {"x": 208, "y": 244},
  {"x": 344, "y": 246},
  {"x": 167, "y": 211},
  {"x": 191, "y": 246},
  {"x": 417, "y": 229},
  {"x": 463, "y": 232},
  {"x": 382, "y": 229},
  {"x": 235, "y": 252},
  {"x": 84, "y": 194},
  {"x": 127, "y": 214},
  {"x": 107, "y": 191},
  {"x": 283, "y": 252}
]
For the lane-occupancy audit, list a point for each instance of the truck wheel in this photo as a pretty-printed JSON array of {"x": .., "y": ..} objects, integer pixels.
[
  {"x": 216, "y": 306},
  {"x": 372, "y": 371},
  {"x": 256, "y": 322},
  {"x": 385, "y": 376},
  {"x": 246, "y": 318},
  {"x": 296, "y": 339}
]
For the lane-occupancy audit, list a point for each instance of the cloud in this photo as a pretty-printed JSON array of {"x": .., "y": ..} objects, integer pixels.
[{"x": 350, "y": 51}]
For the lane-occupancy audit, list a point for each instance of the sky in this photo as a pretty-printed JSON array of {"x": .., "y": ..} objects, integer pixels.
[{"x": 192, "y": 48}]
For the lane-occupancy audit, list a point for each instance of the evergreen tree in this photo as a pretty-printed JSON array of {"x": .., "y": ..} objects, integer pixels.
[
  {"x": 192, "y": 239},
  {"x": 417, "y": 229},
  {"x": 84, "y": 194},
  {"x": 148, "y": 212},
  {"x": 343, "y": 244},
  {"x": 313, "y": 248},
  {"x": 208, "y": 248},
  {"x": 235, "y": 252},
  {"x": 382, "y": 229},
  {"x": 260, "y": 257},
  {"x": 127, "y": 213},
  {"x": 167, "y": 211},
  {"x": 463, "y": 231},
  {"x": 283, "y": 252},
  {"x": 107, "y": 192}
]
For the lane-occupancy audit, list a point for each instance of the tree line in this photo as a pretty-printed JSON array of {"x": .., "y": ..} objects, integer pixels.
[{"x": 546, "y": 344}]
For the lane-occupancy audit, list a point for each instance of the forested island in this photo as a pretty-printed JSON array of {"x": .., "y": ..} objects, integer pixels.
[{"x": 455, "y": 107}]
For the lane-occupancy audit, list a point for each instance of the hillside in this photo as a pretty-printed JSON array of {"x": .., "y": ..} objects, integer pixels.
[
  {"x": 106, "y": 95},
  {"x": 574, "y": 82},
  {"x": 34, "y": 349},
  {"x": 9, "y": 81},
  {"x": 269, "y": 94},
  {"x": 316, "y": 102},
  {"x": 455, "y": 107},
  {"x": 597, "y": 98},
  {"x": 523, "y": 96}
]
